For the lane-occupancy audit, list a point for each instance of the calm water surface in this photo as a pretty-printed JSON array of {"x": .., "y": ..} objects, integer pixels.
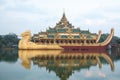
[{"x": 59, "y": 65}]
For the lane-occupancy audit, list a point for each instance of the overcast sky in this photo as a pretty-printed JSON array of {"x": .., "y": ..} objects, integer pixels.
[{"x": 17, "y": 16}]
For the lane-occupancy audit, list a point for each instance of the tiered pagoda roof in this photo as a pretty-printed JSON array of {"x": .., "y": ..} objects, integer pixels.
[
  {"x": 63, "y": 23},
  {"x": 65, "y": 30}
]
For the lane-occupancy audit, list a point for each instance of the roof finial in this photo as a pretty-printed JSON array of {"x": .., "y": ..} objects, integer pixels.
[
  {"x": 63, "y": 10},
  {"x": 64, "y": 19}
]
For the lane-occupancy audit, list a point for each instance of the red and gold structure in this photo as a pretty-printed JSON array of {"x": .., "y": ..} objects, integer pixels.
[{"x": 65, "y": 36}]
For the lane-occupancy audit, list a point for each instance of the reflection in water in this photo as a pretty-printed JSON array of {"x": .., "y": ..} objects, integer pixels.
[
  {"x": 115, "y": 53},
  {"x": 63, "y": 63},
  {"x": 8, "y": 55},
  {"x": 27, "y": 55}
]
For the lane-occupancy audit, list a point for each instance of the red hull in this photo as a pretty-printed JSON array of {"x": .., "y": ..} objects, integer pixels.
[{"x": 85, "y": 48}]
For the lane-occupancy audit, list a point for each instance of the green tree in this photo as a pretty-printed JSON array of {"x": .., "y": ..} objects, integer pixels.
[
  {"x": 1, "y": 41},
  {"x": 103, "y": 37},
  {"x": 9, "y": 40},
  {"x": 116, "y": 40}
]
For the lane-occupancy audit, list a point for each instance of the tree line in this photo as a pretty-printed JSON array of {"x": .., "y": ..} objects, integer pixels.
[
  {"x": 8, "y": 41},
  {"x": 11, "y": 40},
  {"x": 115, "y": 40}
]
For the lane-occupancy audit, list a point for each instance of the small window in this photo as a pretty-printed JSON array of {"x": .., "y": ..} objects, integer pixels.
[
  {"x": 89, "y": 36},
  {"x": 76, "y": 36},
  {"x": 64, "y": 36},
  {"x": 50, "y": 36}
]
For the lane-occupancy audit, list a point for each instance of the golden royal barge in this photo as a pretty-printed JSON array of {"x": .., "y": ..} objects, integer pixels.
[{"x": 65, "y": 36}]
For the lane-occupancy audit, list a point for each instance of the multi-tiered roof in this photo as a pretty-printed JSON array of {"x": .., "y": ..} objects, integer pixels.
[
  {"x": 65, "y": 30},
  {"x": 65, "y": 36}
]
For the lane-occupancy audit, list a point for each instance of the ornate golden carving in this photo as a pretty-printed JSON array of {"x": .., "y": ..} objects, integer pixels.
[{"x": 25, "y": 43}]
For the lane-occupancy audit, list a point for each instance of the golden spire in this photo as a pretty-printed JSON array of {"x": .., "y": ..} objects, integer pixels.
[{"x": 64, "y": 19}]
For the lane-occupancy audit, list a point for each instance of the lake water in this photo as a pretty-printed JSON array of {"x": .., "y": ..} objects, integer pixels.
[{"x": 59, "y": 65}]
